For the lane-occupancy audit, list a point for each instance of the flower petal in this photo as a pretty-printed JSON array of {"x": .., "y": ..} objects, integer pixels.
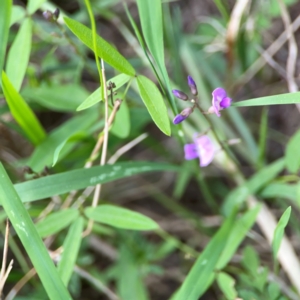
[
  {"x": 190, "y": 151},
  {"x": 178, "y": 119},
  {"x": 226, "y": 102},
  {"x": 205, "y": 149},
  {"x": 180, "y": 95}
]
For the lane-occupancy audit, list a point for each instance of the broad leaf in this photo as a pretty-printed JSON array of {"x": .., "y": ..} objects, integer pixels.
[
  {"x": 121, "y": 125},
  {"x": 22, "y": 112},
  {"x": 56, "y": 221},
  {"x": 154, "y": 103},
  {"x": 34, "y": 5},
  {"x": 17, "y": 14},
  {"x": 120, "y": 217},
  {"x": 107, "y": 52}
]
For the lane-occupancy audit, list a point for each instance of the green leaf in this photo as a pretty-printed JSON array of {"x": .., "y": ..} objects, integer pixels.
[
  {"x": 70, "y": 251},
  {"x": 237, "y": 235},
  {"x": 202, "y": 272},
  {"x": 280, "y": 190},
  {"x": 5, "y": 13},
  {"x": 253, "y": 185},
  {"x": 17, "y": 14},
  {"x": 31, "y": 240},
  {"x": 292, "y": 155},
  {"x": 57, "y": 184},
  {"x": 22, "y": 112},
  {"x": 56, "y": 221},
  {"x": 120, "y": 217},
  {"x": 121, "y": 125},
  {"x": 289, "y": 98},
  {"x": 150, "y": 12},
  {"x": 65, "y": 98},
  {"x": 34, "y": 5},
  {"x": 154, "y": 103},
  {"x": 76, "y": 137},
  {"x": 226, "y": 285},
  {"x": 44, "y": 153},
  {"x": 18, "y": 55},
  {"x": 279, "y": 231},
  {"x": 95, "y": 97},
  {"x": 107, "y": 52}
]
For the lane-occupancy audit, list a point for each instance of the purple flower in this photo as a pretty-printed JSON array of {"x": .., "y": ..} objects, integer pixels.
[
  {"x": 192, "y": 85},
  {"x": 183, "y": 115},
  {"x": 219, "y": 101},
  {"x": 180, "y": 95},
  {"x": 202, "y": 148}
]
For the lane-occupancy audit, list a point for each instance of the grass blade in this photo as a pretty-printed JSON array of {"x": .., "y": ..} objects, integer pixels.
[
  {"x": 70, "y": 251},
  {"x": 5, "y": 12},
  {"x": 154, "y": 103},
  {"x": 19, "y": 53},
  {"x": 292, "y": 153},
  {"x": 279, "y": 231},
  {"x": 22, "y": 112},
  {"x": 107, "y": 52},
  {"x": 31, "y": 240},
  {"x": 289, "y": 98},
  {"x": 202, "y": 272},
  {"x": 120, "y": 217},
  {"x": 45, "y": 187}
]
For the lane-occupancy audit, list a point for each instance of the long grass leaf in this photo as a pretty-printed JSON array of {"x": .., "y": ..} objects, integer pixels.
[
  {"x": 30, "y": 239},
  {"x": 18, "y": 55},
  {"x": 42, "y": 188},
  {"x": 22, "y": 112}
]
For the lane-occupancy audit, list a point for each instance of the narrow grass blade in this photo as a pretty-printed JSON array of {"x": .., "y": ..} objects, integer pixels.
[
  {"x": 289, "y": 98},
  {"x": 18, "y": 55},
  {"x": 31, "y": 240},
  {"x": 22, "y": 113},
  {"x": 71, "y": 247},
  {"x": 120, "y": 217},
  {"x": 292, "y": 153},
  {"x": 237, "y": 235},
  {"x": 95, "y": 97},
  {"x": 280, "y": 190},
  {"x": 203, "y": 271},
  {"x": 279, "y": 231},
  {"x": 256, "y": 182},
  {"x": 154, "y": 103},
  {"x": 56, "y": 221},
  {"x": 45, "y": 187},
  {"x": 262, "y": 138},
  {"x": 5, "y": 13},
  {"x": 107, "y": 52}
]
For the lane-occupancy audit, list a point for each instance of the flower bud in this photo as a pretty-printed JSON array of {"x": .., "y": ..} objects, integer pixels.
[
  {"x": 183, "y": 115},
  {"x": 192, "y": 86},
  {"x": 180, "y": 95},
  {"x": 56, "y": 13},
  {"x": 48, "y": 15}
]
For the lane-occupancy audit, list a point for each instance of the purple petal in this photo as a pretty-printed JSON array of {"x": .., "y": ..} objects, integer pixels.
[
  {"x": 178, "y": 119},
  {"x": 179, "y": 94},
  {"x": 218, "y": 95},
  {"x": 205, "y": 149},
  {"x": 192, "y": 85},
  {"x": 226, "y": 102},
  {"x": 190, "y": 151}
]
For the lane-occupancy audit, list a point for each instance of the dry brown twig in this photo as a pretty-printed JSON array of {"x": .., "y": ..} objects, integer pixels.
[{"x": 5, "y": 271}]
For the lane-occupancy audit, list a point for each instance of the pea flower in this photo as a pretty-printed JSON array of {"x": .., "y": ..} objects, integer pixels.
[
  {"x": 202, "y": 148},
  {"x": 183, "y": 115},
  {"x": 219, "y": 101}
]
